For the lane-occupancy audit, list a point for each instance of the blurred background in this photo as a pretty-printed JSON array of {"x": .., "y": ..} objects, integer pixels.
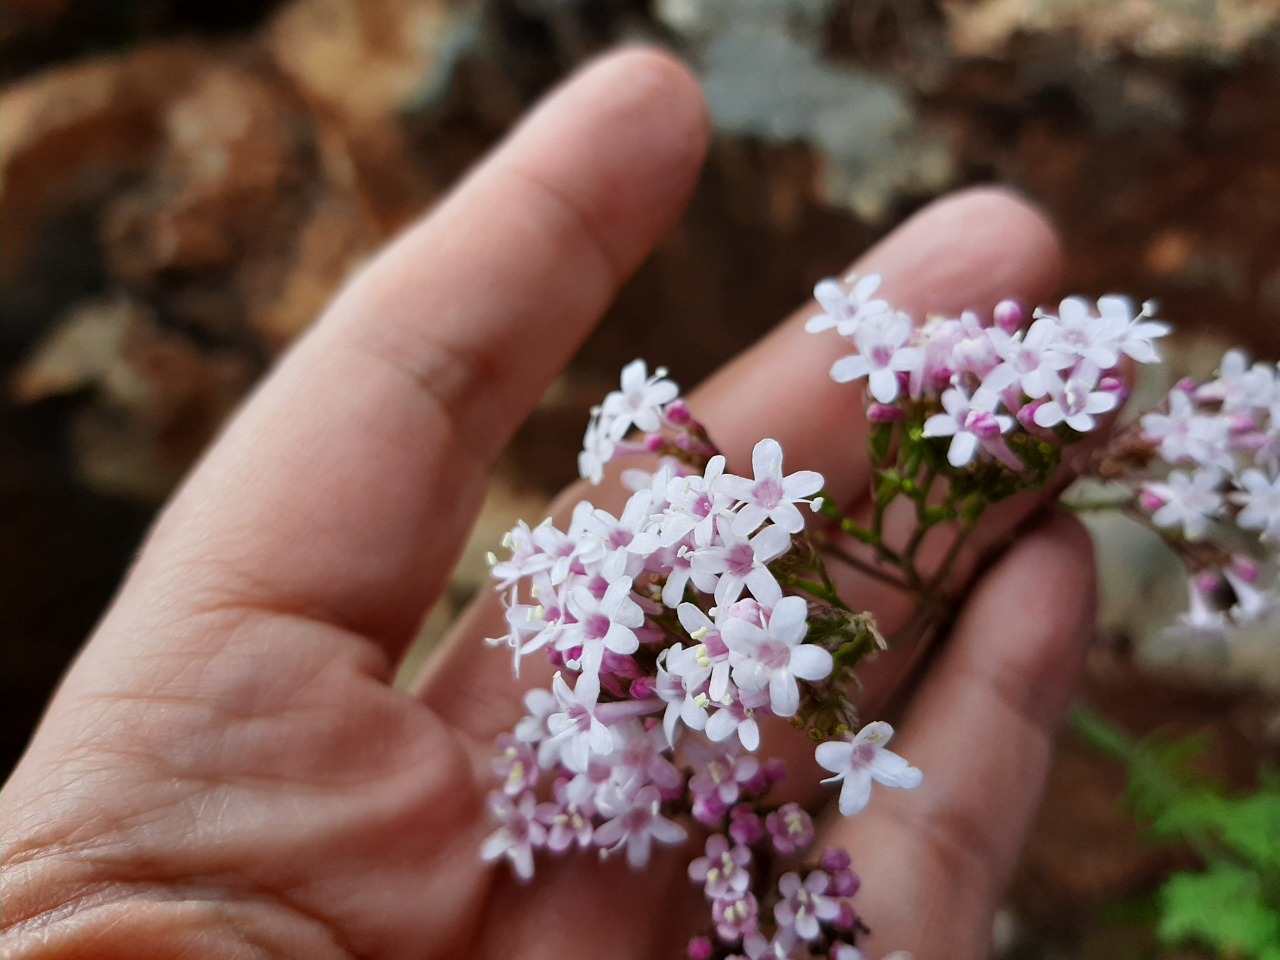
[{"x": 184, "y": 184}]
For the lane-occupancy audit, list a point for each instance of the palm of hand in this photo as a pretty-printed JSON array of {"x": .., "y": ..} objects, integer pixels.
[{"x": 227, "y": 770}]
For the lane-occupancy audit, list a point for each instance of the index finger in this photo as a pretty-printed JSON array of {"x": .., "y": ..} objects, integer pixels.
[{"x": 346, "y": 487}]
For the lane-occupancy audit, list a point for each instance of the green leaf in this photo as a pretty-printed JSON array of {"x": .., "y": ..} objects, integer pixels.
[
  {"x": 1248, "y": 826},
  {"x": 1222, "y": 908}
]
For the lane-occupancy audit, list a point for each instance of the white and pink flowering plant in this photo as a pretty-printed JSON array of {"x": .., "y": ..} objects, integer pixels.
[{"x": 705, "y": 610}]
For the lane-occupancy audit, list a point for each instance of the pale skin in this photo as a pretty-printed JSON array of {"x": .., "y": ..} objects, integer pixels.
[{"x": 227, "y": 772}]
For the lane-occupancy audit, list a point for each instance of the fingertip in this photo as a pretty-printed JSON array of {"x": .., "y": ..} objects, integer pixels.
[
  {"x": 662, "y": 101},
  {"x": 1001, "y": 218},
  {"x": 659, "y": 78},
  {"x": 1010, "y": 249}
]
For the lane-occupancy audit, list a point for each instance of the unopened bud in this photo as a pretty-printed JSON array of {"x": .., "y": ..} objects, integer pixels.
[
  {"x": 1009, "y": 315},
  {"x": 678, "y": 414},
  {"x": 884, "y": 413}
]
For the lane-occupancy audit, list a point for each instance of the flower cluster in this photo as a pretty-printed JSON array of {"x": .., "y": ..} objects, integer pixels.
[
  {"x": 675, "y": 628},
  {"x": 980, "y": 382},
  {"x": 680, "y": 626},
  {"x": 1216, "y": 497}
]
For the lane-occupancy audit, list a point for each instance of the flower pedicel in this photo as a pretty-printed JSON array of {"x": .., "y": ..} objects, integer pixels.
[{"x": 705, "y": 608}]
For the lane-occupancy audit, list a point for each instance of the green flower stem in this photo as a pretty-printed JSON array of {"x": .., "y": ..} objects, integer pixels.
[
  {"x": 823, "y": 591},
  {"x": 870, "y": 570}
]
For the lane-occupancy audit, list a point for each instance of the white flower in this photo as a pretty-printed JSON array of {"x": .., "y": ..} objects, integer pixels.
[
  {"x": 639, "y": 403},
  {"x": 1261, "y": 502},
  {"x": 606, "y": 623},
  {"x": 597, "y": 450},
  {"x": 1075, "y": 402},
  {"x": 518, "y": 834},
  {"x": 863, "y": 759},
  {"x": 1251, "y": 603},
  {"x": 770, "y": 495},
  {"x": 694, "y": 504},
  {"x": 775, "y": 656},
  {"x": 970, "y": 423},
  {"x": 1092, "y": 338},
  {"x": 738, "y": 717},
  {"x": 1027, "y": 358},
  {"x": 844, "y": 311},
  {"x": 1186, "y": 435},
  {"x": 1201, "y": 622},
  {"x": 1187, "y": 500},
  {"x": 1241, "y": 387},
  {"x": 727, "y": 567},
  {"x": 575, "y": 730},
  {"x": 1136, "y": 330},
  {"x": 637, "y": 827},
  {"x": 803, "y": 906},
  {"x": 882, "y": 355}
]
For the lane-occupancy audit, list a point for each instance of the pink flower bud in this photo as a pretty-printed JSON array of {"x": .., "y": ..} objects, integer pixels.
[
  {"x": 1245, "y": 568},
  {"x": 745, "y": 826},
  {"x": 1027, "y": 416},
  {"x": 847, "y": 918},
  {"x": 1116, "y": 386},
  {"x": 678, "y": 413},
  {"x": 700, "y": 948},
  {"x": 642, "y": 688},
  {"x": 884, "y": 413},
  {"x": 1009, "y": 315},
  {"x": 1239, "y": 423},
  {"x": 1186, "y": 385},
  {"x": 1207, "y": 583},
  {"x": 745, "y": 609},
  {"x": 1149, "y": 502},
  {"x": 654, "y": 442},
  {"x": 835, "y": 858}
]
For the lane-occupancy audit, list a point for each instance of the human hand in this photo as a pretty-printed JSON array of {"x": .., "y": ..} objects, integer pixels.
[{"x": 227, "y": 771}]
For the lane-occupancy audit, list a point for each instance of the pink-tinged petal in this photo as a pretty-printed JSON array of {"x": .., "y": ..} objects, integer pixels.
[
  {"x": 802, "y": 483},
  {"x": 894, "y": 771},
  {"x": 850, "y": 368},
  {"x": 1081, "y": 422},
  {"x": 855, "y": 794},
  {"x": 908, "y": 358},
  {"x": 620, "y": 640},
  {"x": 600, "y": 738},
  {"x": 666, "y": 831},
  {"x": 741, "y": 636},
  {"x": 638, "y": 850},
  {"x": 749, "y": 735},
  {"x": 749, "y": 519},
  {"x": 608, "y": 833},
  {"x": 770, "y": 543},
  {"x": 786, "y": 516},
  {"x": 865, "y": 287},
  {"x": 883, "y": 385},
  {"x": 763, "y": 586},
  {"x": 1049, "y": 415},
  {"x": 790, "y": 620},
  {"x": 1100, "y": 403},
  {"x": 766, "y": 460},
  {"x": 739, "y": 488},
  {"x": 784, "y": 696},
  {"x": 809, "y": 662},
  {"x": 721, "y": 726},
  {"x": 940, "y": 425},
  {"x": 494, "y": 845},
  {"x": 834, "y": 755},
  {"x": 962, "y": 449}
]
